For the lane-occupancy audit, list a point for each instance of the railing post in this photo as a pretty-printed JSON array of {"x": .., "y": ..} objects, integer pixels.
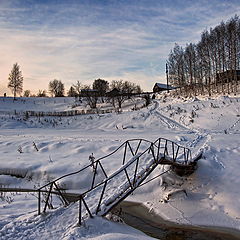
[
  {"x": 94, "y": 175},
  {"x": 176, "y": 154},
  {"x": 152, "y": 150},
  {"x": 80, "y": 211},
  {"x": 103, "y": 169},
  {"x": 135, "y": 173},
  {"x": 173, "y": 150},
  {"x": 49, "y": 192},
  {"x": 60, "y": 193},
  {"x": 159, "y": 146},
  {"x": 39, "y": 201},
  {"x": 188, "y": 155},
  {"x": 185, "y": 159},
  {"x": 86, "y": 206},
  {"x": 128, "y": 178},
  {"x": 100, "y": 200},
  {"x": 124, "y": 154},
  {"x": 165, "y": 148},
  {"x": 130, "y": 148},
  {"x": 138, "y": 146}
]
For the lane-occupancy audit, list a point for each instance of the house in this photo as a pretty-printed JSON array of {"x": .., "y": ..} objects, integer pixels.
[
  {"x": 228, "y": 76},
  {"x": 88, "y": 93},
  {"x": 159, "y": 87},
  {"x": 113, "y": 93}
]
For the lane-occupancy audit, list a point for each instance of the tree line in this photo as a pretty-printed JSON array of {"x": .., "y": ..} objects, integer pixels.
[
  {"x": 119, "y": 90},
  {"x": 209, "y": 66}
]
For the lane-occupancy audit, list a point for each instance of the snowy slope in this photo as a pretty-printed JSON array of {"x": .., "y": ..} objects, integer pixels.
[{"x": 53, "y": 146}]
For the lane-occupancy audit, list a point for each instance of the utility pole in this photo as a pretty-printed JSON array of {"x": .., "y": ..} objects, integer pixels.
[{"x": 167, "y": 77}]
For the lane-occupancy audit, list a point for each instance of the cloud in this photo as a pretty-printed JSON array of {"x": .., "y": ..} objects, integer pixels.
[{"x": 85, "y": 40}]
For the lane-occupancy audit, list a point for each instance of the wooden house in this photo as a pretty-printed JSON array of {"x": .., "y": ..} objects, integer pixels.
[
  {"x": 228, "y": 76},
  {"x": 88, "y": 93},
  {"x": 113, "y": 93},
  {"x": 159, "y": 87}
]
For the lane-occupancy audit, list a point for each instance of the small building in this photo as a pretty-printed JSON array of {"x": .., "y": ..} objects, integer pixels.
[
  {"x": 113, "y": 93},
  {"x": 159, "y": 87},
  {"x": 88, "y": 93},
  {"x": 228, "y": 75}
]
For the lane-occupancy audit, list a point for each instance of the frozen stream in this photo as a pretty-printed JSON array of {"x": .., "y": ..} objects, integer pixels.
[{"x": 139, "y": 217}]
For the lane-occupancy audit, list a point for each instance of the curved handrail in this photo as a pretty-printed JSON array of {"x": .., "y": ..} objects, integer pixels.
[
  {"x": 82, "y": 169},
  {"x": 171, "y": 142},
  {"x": 134, "y": 139},
  {"x": 97, "y": 160}
]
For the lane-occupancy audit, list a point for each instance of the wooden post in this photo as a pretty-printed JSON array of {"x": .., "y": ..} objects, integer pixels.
[
  {"x": 80, "y": 211},
  {"x": 39, "y": 201},
  {"x": 167, "y": 77}
]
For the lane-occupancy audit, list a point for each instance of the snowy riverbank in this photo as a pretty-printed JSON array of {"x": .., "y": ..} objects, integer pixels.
[{"x": 212, "y": 192}]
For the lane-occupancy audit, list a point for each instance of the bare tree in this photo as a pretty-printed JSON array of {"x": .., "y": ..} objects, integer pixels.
[
  {"x": 212, "y": 65},
  {"x": 56, "y": 88},
  {"x": 42, "y": 93},
  {"x": 231, "y": 47},
  {"x": 15, "y": 80},
  {"x": 176, "y": 67},
  {"x": 27, "y": 93},
  {"x": 190, "y": 66},
  {"x": 130, "y": 88},
  {"x": 78, "y": 86},
  {"x": 101, "y": 86},
  {"x": 91, "y": 96},
  {"x": 125, "y": 90},
  {"x": 120, "y": 97},
  {"x": 72, "y": 92}
]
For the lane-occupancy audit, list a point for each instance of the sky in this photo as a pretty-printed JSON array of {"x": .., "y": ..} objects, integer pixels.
[{"x": 83, "y": 40}]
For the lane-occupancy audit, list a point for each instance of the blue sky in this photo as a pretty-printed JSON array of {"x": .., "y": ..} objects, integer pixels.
[{"x": 110, "y": 39}]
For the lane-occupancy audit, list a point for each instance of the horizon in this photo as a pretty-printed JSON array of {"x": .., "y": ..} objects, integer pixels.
[{"x": 111, "y": 40}]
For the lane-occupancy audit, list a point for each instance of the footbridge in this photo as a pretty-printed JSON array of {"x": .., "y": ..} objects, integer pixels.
[{"x": 99, "y": 189}]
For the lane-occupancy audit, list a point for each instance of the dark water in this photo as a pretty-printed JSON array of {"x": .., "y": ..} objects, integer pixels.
[{"x": 138, "y": 216}]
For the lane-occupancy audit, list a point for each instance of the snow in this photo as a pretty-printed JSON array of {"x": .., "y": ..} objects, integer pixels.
[{"x": 37, "y": 150}]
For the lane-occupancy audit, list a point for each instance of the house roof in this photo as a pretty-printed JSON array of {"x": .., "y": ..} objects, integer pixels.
[
  {"x": 88, "y": 90},
  {"x": 113, "y": 92},
  {"x": 163, "y": 86}
]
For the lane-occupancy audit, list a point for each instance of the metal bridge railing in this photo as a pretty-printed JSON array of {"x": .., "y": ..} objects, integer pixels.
[{"x": 138, "y": 158}]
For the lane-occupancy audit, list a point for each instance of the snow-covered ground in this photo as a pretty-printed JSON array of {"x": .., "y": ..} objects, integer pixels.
[{"x": 39, "y": 149}]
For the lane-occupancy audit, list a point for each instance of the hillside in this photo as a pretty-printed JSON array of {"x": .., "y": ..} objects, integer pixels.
[{"x": 35, "y": 150}]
